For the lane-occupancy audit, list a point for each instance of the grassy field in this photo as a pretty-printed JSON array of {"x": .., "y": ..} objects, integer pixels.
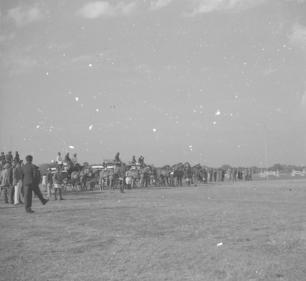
[{"x": 248, "y": 231}]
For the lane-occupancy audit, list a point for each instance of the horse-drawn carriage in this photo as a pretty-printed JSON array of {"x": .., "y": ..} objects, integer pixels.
[
  {"x": 112, "y": 175},
  {"x": 82, "y": 177},
  {"x": 132, "y": 175}
]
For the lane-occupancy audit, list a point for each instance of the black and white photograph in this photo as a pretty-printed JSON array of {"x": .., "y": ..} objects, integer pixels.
[{"x": 152, "y": 140}]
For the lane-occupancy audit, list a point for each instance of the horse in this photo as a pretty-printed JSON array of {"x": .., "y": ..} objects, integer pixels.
[
  {"x": 75, "y": 180},
  {"x": 87, "y": 176},
  {"x": 132, "y": 177},
  {"x": 163, "y": 175},
  {"x": 177, "y": 174},
  {"x": 103, "y": 179},
  {"x": 118, "y": 179},
  {"x": 199, "y": 174},
  {"x": 112, "y": 177},
  {"x": 145, "y": 173}
]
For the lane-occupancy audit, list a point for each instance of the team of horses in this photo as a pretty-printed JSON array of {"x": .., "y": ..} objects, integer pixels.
[{"x": 122, "y": 176}]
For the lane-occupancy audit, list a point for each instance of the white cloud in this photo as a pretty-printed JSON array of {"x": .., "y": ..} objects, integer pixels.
[
  {"x": 208, "y": 6},
  {"x": 25, "y": 15},
  {"x": 93, "y": 10},
  {"x": 298, "y": 36},
  {"x": 158, "y": 4}
]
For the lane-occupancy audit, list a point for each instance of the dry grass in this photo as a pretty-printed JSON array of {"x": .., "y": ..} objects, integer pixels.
[{"x": 161, "y": 234}]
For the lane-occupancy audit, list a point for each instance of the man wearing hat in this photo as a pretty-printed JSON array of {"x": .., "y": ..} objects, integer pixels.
[
  {"x": 9, "y": 157},
  {"x": 30, "y": 183}
]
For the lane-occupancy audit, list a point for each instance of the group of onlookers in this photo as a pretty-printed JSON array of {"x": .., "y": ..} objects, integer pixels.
[
  {"x": 18, "y": 180},
  {"x": 9, "y": 158},
  {"x": 53, "y": 183},
  {"x": 11, "y": 178}
]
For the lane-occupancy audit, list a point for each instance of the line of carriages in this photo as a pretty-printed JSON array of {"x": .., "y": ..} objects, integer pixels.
[{"x": 118, "y": 175}]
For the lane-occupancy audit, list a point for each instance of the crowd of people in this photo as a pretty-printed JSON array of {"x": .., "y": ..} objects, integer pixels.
[{"x": 19, "y": 180}]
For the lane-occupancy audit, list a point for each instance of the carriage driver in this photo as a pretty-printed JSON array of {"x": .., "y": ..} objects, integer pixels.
[{"x": 117, "y": 158}]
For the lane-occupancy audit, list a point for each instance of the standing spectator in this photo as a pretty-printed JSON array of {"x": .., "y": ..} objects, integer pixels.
[
  {"x": 129, "y": 179},
  {"x": 44, "y": 183},
  {"x": 222, "y": 175},
  {"x": 17, "y": 158},
  {"x": 57, "y": 184},
  {"x": 2, "y": 159},
  {"x": 30, "y": 180},
  {"x": 17, "y": 182},
  {"x": 6, "y": 183},
  {"x": 49, "y": 183},
  {"x": 215, "y": 175},
  {"x": 9, "y": 157}
]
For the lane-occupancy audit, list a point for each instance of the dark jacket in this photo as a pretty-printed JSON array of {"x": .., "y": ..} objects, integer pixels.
[
  {"x": 36, "y": 176},
  {"x": 27, "y": 173}
]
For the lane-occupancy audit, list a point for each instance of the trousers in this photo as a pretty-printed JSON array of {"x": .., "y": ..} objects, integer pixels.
[
  {"x": 17, "y": 192},
  {"x": 28, "y": 190},
  {"x": 8, "y": 192}
]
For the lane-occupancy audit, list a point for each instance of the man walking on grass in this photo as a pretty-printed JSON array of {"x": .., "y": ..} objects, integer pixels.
[{"x": 30, "y": 183}]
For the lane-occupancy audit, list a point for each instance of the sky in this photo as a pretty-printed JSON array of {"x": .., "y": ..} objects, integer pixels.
[{"x": 205, "y": 81}]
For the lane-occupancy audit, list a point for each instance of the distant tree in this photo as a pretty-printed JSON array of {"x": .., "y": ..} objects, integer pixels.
[{"x": 285, "y": 168}]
